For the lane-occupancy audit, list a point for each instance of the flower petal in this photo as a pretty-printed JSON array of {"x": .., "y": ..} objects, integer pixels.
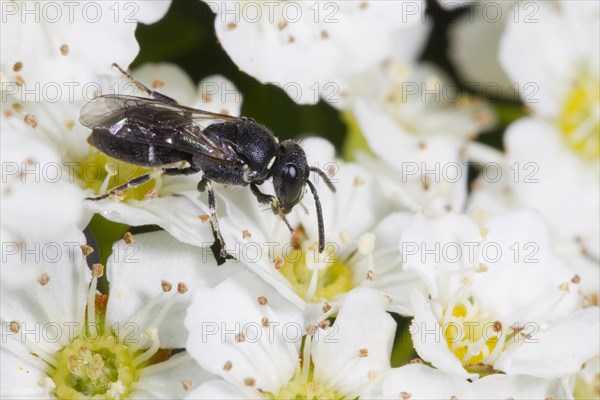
[
  {"x": 136, "y": 273},
  {"x": 349, "y": 352},
  {"x": 230, "y": 337},
  {"x": 176, "y": 378},
  {"x": 422, "y": 382},
  {"x": 564, "y": 347},
  {"x": 22, "y": 380}
]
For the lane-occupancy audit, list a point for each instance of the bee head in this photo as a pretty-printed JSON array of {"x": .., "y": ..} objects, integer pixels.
[{"x": 290, "y": 173}]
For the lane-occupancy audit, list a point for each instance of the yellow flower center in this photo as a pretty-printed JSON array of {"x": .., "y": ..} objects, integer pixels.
[
  {"x": 579, "y": 121},
  {"x": 101, "y": 173},
  {"x": 471, "y": 334},
  {"x": 299, "y": 389},
  {"x": 101, "y": 368},
  {"x": 326, "y": 277}
]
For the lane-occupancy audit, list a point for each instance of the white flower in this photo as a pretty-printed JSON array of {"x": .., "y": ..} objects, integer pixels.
[
  {"x": 500, "y": 298},
  {"x": 61, "y": 338},
  {"x": 417, "y": 124},
  {"x": 35, "y": 198},
  {"x": 309, "y": 48},
  {"x": 565, "y": 127},
  {"x": 416, "y": 381},
  {"x": 587, "y": 381},
  {"x": 246, "y": 333},
  {"x": 552, "y": 158},
  {"x": 60, "y": 49},
  {"x": 474, "y": 45},
  {"x": 360, "y": 250}
]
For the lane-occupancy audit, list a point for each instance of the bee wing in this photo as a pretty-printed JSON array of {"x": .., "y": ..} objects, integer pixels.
[{"x": 157, "y": 123}]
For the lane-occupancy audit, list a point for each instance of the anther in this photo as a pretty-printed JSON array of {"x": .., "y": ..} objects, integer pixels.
[
  {"x": 576, "y": 279},
  {"x": 14, "y": 326},
  {"x": 325, "y": 324},
  {"x": 358, "y": 181},
  {"x": 246, "y": 234},
  {"x": 18, "y": 66},
  {"x": 182, "y": 288},
  {"x": 18, "y": 107},
  {"x": 227, "y": 367},
  {"x": 97, "y": 270},
  {"x": 64, "y": 49},
  {"x": 31, "y": 120},
  {"x": 262, "y": 300},
  {"x": 186, "y": 383},
  {"x": 231, "y": 26},
  {"x": 166, "y": 286},
  {"x": 326, "y": 307},
  {"x": 111, "y": 168},
  {"x": 249, "y": 381},
  {"x": 151, "y": 194},
  {"x": 362, "y": 353},
  {"x": 366, "y": 243},
  {"x": 281, "y": 25},
  {"x": 204, "y": 218},
  {"x": 311, "y": 329},
  {"x": 564, "y": 287},
  {"x": 482, "y": 268},
  {"x": 157, "y": 84},
  {"x": 416, "y": 361},
  {"x": 44, "y": 279},
  {"x": 128, "y": 238},
  {"x": 497, "y": 326},
  {"x": 86, "y": 250},
  {"x": 73, "y": 364},
  {"x": 264, "y": 322},
  {"x": 239, "y": 338},
  {"x": 278, "y": 262},
  {"x": 405, "y": 395},
  {"x": 69, "y": 125}
]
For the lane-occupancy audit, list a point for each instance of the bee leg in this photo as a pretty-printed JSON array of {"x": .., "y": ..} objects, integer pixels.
[
  {"x": 265, "y": 198},
  {"x": 155, "y": 95},
  {"x": 140, "y": 180},
  {"x": 218, "y": 247},
  {"x": 202, "y": 185},
  {"x": 272, "y": 200}
]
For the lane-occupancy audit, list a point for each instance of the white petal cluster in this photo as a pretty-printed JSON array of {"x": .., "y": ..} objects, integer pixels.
[{"x": 450, "y": 270}]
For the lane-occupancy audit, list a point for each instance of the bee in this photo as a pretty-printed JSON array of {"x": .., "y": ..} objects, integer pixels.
[{"x": 157, "y": 132}]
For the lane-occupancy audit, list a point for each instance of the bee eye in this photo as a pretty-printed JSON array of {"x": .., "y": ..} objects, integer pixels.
[{"x": 292, "y": 184}]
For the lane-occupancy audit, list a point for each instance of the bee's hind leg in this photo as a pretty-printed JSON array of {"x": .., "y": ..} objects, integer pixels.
[
  {"x": 218, "y": 247},
  {"x": 152, "y": 93},
  {"x": 140, "y": 180}
]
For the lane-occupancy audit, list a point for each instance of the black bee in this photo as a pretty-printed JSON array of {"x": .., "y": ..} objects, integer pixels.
[{"x": 156, "y": 132}]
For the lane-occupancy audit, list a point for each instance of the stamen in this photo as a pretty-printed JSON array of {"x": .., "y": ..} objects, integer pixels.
[
  {"x": 97, "y": 271},
  {"x": 152, "y": 333},
  {"x": 306, "y": 357},
  {"x": 366, "y": 245}
]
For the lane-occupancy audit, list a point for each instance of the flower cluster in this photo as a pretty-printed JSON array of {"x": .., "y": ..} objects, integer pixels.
[{"x": 452, "y": 268}]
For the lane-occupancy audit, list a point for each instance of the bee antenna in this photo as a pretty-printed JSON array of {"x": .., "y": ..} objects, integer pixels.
[
  {"x": 323, "y": 176},
  {"x": 319, "y": 216}
]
